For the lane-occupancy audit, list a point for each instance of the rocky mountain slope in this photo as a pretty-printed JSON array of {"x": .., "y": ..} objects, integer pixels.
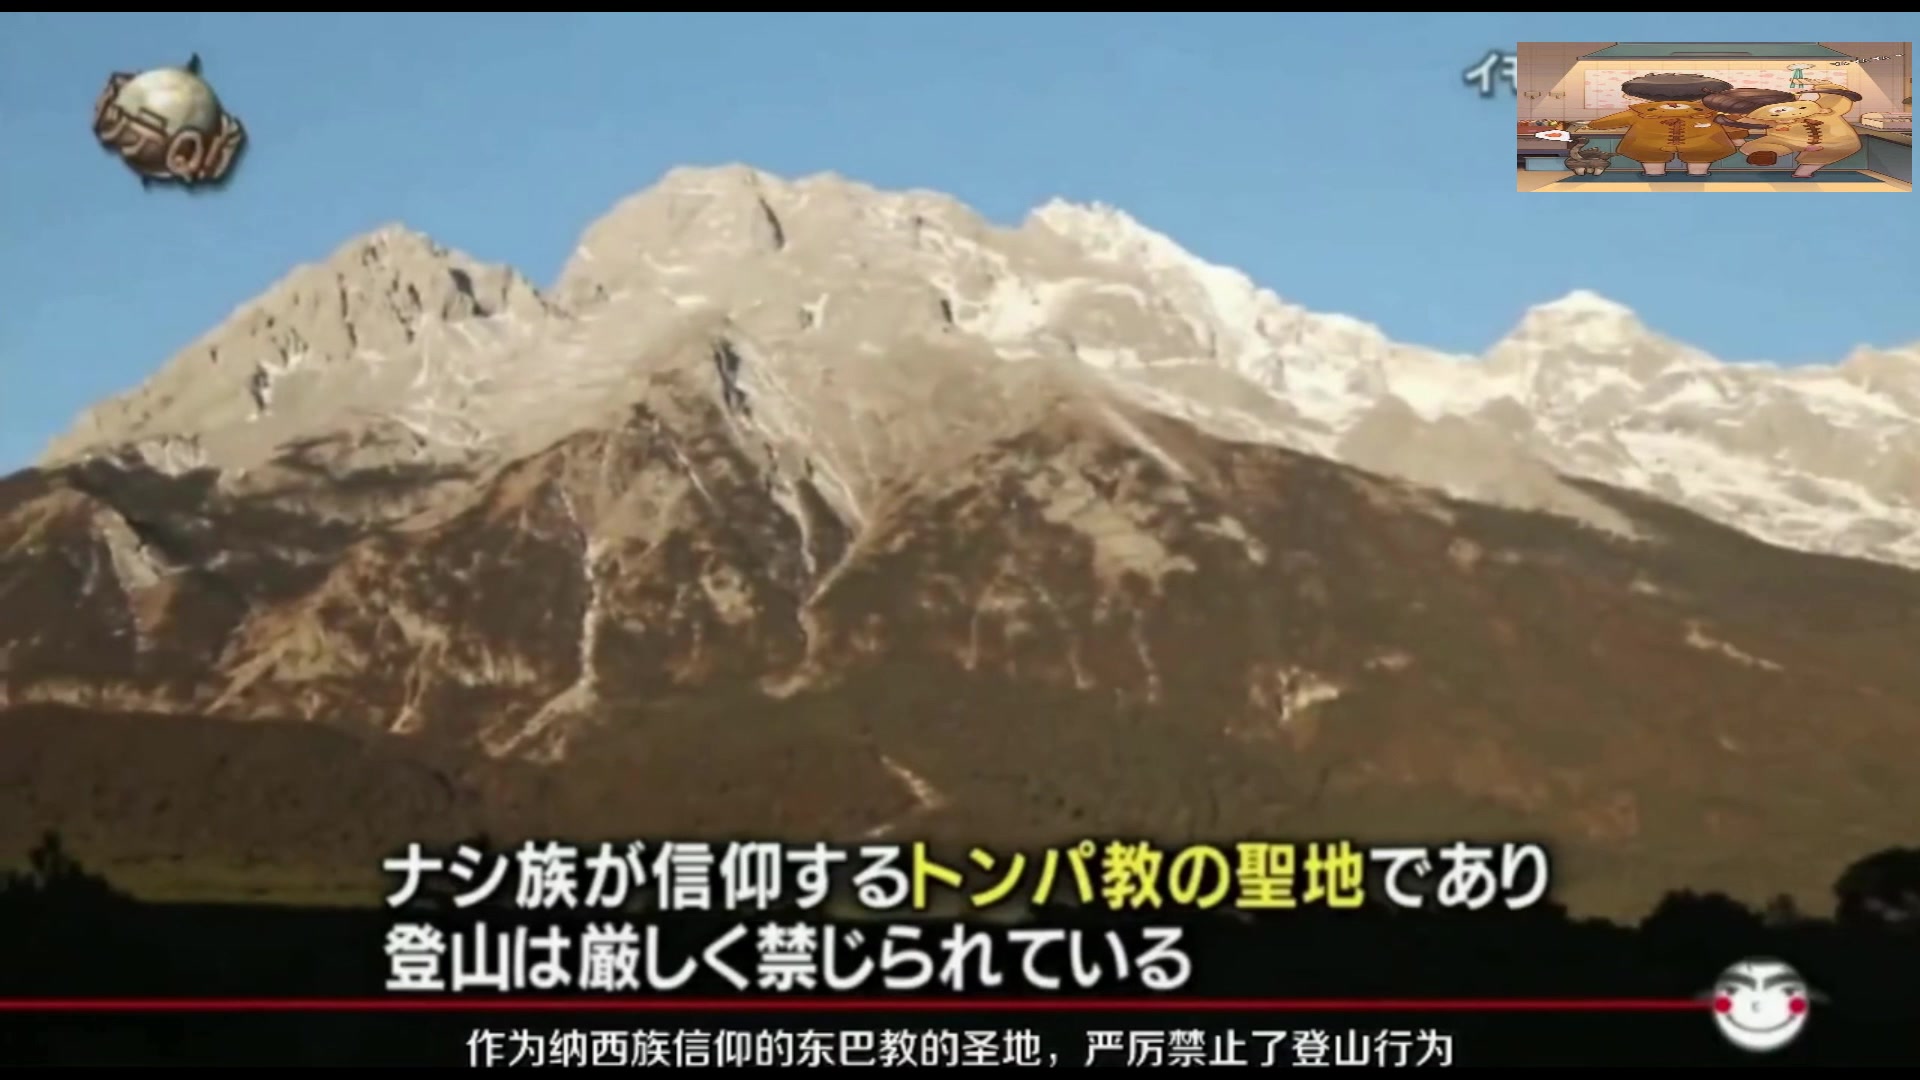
[{"x": 798, "y": 507}]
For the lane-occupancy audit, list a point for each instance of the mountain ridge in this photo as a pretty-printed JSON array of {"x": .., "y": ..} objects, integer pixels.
[{"x": 1600, "y": 396}]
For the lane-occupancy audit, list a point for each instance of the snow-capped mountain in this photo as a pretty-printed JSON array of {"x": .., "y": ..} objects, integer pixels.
[
  {"x": 394, "y": 335},
  {"x": 801, "y": 509}
]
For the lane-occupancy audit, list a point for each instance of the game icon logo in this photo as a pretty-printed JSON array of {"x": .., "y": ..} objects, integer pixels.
[
  {"x": 168, "y": 125},
  {"x": 1618, "y": 116}
]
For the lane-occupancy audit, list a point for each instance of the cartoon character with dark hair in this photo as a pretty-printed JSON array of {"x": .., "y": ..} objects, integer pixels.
[
  {"x": 1816, "y": 130},
  {"x": 1669, "y": 121},
  {"x": 1735, "y": 104},
  {"x": 1743, "y": 100}
]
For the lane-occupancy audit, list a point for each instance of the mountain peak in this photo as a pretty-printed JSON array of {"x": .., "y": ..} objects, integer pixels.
[
  {"x": 307, "y": 350},
  {"x": 1585, "y": 302},
  {"x": 1106, "y": 232},
  {"x": 385, "y": 242},
  {"x": 396, "y": 232},
  {"x": 1584, "y": 320},
  {"x": 733, "y": 174},
  {"x": 1065, "y": 215},
  {"x": 1586, "y": 333}
]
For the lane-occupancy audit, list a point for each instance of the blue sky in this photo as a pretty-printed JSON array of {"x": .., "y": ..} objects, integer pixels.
[{"x": 1337, "y": 159}]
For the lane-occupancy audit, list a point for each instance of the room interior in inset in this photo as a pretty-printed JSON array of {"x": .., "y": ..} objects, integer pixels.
[{"x": 1828, "y": 116}]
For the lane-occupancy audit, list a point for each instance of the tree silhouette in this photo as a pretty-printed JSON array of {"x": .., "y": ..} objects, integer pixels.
[
  {"x": 1702, "y": 919},
  {"x": 54, "y": 872},
  {"x": 1881, "y": 890},
  {"x": 1782, "y": 911}
]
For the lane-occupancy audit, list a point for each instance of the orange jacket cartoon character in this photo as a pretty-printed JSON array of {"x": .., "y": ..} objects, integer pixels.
[
  {"x": 1659, "y": 131},
  {"x": 1668, "y": 121}
]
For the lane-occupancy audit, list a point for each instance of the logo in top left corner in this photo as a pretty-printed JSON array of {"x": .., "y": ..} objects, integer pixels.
[
  {"x": 1761, "y": 1004},
  {"x": 168, "y": 126}
]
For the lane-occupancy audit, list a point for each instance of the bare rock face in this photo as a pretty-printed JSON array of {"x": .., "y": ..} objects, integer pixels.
[
  {"x": 802, "y": 508},
  {"x": 276, "y": 368}
]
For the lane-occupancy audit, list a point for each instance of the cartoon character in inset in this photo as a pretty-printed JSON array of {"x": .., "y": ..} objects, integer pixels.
[
  {"x": 1817, "y": 130},
  {"x": 1669, "y": 121}
]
